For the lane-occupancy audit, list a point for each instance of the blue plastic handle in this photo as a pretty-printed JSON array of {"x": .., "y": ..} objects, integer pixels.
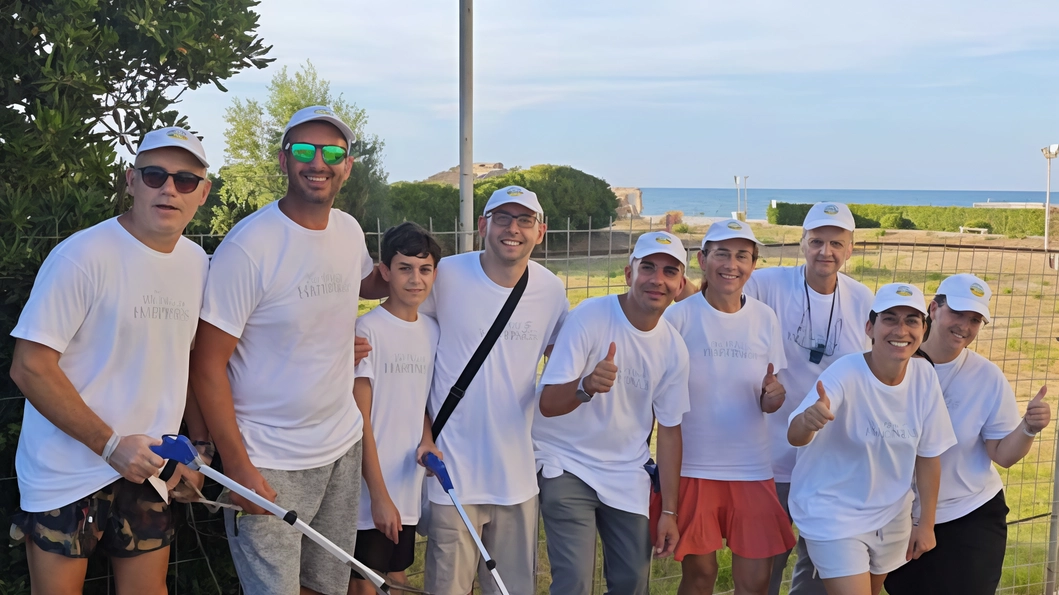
[
  {"x": 434, "y": 464},
  {"x": 177, "y": 448}
]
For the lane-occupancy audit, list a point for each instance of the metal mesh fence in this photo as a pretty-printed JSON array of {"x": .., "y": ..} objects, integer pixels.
[{"x": 1021, "y": 339}]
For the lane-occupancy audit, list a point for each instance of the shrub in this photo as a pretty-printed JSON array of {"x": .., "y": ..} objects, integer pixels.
[
  {"x": 980, "y": 223},
  {"x": 675, "y": 217},
  {"x": 681, "y": 228},
  {"x": 1010, "y": 222},
  {"x": 895, "y": 221}
]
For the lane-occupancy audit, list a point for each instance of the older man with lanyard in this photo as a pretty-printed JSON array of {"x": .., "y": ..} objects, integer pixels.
[{"x": 822, "y": 313}]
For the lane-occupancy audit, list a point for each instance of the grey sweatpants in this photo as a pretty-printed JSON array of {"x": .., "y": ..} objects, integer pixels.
[
  {"x": 804, "y": 581},
  {"x": 272, "y": 557},
  {"x": 572, "y": 514}
]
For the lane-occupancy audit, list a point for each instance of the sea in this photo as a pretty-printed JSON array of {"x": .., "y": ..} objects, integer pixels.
[{"x": 721, "y": 202}]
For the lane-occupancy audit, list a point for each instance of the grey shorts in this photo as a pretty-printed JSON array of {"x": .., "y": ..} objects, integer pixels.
[{"x": 273, "y": 558}]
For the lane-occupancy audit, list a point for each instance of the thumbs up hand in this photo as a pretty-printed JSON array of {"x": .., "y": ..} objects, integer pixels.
[
  {"x": 772, "y": 392},
  {"x": 819, "y": 413},
  {"x": 1038, "y": 413},
  {"x": 602, "y": 378}
]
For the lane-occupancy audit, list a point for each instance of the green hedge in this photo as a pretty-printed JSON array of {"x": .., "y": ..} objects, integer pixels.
[{"x": 1011, "y": 222}]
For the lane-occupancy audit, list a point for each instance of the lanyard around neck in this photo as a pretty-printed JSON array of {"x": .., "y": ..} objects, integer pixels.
[{"x": 809, "y": 307}]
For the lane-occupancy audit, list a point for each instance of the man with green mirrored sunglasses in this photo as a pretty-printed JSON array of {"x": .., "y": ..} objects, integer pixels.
[{"x": 273, "y": 367}]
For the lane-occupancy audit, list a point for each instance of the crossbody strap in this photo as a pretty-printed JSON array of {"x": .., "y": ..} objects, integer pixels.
[{"x": 457, "y": 391}]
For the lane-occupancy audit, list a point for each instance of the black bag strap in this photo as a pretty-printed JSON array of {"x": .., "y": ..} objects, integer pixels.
[{"x": 457, "y": 391}]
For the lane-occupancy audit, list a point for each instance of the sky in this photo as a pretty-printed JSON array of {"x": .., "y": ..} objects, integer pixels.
[{"x": 946, "y": 94}]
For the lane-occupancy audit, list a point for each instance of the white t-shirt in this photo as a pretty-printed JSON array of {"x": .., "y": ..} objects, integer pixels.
[
  {"x": 486, "y": 442},
  {"x": 725, "y": 433},
  {"x": 123, "y": 316},
  {"x": 290, "y": 295},
  {"x": 783, "y": 289},
  {"x": 856, "y": 474},
  {"x": 982, "y": 407},
  {"x": 604, "y": 442},
  {"x": 400, "y": 367}
]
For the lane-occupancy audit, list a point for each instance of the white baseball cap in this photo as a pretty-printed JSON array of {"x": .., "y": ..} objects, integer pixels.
[
  {"x": 829, "y": 213},
  {"x": 728, "y": 229},
  {"x": 174, "y": 136},
  {"x": 966, "y": 293},
  {"x": 659, "y": 242},
  {"x": 319, "y": 112},
  {"x": 892, "y": 295},
  {"x": 517, "y": 195}
]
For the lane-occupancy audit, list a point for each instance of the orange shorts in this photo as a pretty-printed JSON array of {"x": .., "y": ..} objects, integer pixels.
[{"x": 746, "y": 514}]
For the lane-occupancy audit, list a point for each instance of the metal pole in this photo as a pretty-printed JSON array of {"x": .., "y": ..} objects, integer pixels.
[
  {"x": 738, "y": 202},
  {"x": 746, "y": 201},
  {"x": 1048, "y": 206},
  {"x": 1053, "y": 529},
  {"x": 465, "y": 241}
]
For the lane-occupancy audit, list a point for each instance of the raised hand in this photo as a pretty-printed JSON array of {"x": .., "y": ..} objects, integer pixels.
[
  {"x": 772, "y": 392},
  {"x": 602, "y": 378},
  {"x": 1038, "y": 413},
  {"x": 819, "y": 413}
]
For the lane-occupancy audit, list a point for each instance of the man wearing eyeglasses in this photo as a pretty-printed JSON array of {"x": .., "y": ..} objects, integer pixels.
[
  {"x": 486, "y": 441},
  {"x": 273, "y": 368},
  {"x": 101, "y": 354},
  {"x": 822, "y": 313}
]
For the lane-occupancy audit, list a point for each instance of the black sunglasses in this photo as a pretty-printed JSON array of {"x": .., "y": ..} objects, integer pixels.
[{"x": 155, "y": 177}]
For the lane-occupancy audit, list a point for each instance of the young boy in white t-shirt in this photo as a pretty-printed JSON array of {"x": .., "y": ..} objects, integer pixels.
[
  {"x": 726, "y": 487},
  {"x": 391, "y": 389},
  {"x": 616, "y": 367},
  {"x": 101, "y": 353},
  {"x": 873, "y": 422}
]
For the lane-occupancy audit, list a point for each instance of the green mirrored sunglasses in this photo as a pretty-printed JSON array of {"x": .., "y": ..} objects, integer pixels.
[{"x": 306, "y": 152}]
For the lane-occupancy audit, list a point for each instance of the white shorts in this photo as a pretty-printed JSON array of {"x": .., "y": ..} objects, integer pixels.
[{"x": 877, "y": 552}]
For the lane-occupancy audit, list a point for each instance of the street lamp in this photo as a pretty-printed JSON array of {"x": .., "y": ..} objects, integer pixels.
[
  {"x": 746, "y": 201},
  {"x": 1050, "y": 152}
]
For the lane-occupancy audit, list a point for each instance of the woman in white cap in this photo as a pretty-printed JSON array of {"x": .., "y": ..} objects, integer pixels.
[
  {"x": 971, "y": 519},
  {"x": 874, "y": 420},
  {"x": 726, "y": 486}
]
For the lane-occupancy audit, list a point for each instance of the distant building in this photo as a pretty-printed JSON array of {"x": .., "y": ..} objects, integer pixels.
[
  {"x": 481, "y": 172},
  {"x": 630, "y": 201}
]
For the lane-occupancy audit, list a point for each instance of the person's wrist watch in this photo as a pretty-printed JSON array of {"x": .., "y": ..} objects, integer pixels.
[{"x": 581, "y": 394}]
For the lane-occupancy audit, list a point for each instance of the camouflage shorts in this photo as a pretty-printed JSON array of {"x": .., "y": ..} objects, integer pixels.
[{"x": 123, "y": 519}]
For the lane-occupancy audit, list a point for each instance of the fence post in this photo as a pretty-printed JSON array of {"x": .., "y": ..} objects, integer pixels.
[{"x": 1053, "y": 529}]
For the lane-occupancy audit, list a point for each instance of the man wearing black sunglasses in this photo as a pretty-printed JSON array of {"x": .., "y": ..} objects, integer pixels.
[
  {"x": 273, "y": 368},
  {"x": 101, "y": 353},
  {"x": 821, "y": 312}
]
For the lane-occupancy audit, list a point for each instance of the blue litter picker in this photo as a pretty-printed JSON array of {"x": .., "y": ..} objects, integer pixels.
[
  {"x": 438, "y": 468},
  {"x": 179, "y": 448}
]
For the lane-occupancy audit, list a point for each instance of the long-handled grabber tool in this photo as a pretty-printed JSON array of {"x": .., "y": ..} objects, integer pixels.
[
  {"x": 435, "y": 465},
  {"x": 179, "y": 448}
]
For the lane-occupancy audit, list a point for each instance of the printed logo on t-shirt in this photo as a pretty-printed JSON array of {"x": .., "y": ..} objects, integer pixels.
[
  {"x": 159, "y": 307},
  {"x": 633, "y": 378},
  {"x": 406, "y": 363},
  {"x": 516, "y": 331},
  {"x": 889, "y": 430},
  {"x": 732, "y": 349},
  {"x": 318, "y": 284}
]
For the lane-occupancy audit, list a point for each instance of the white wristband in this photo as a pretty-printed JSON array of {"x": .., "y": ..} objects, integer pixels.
[
  {"x": 111, "y": 446},
  {"x": 1026, "y": 431}
]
